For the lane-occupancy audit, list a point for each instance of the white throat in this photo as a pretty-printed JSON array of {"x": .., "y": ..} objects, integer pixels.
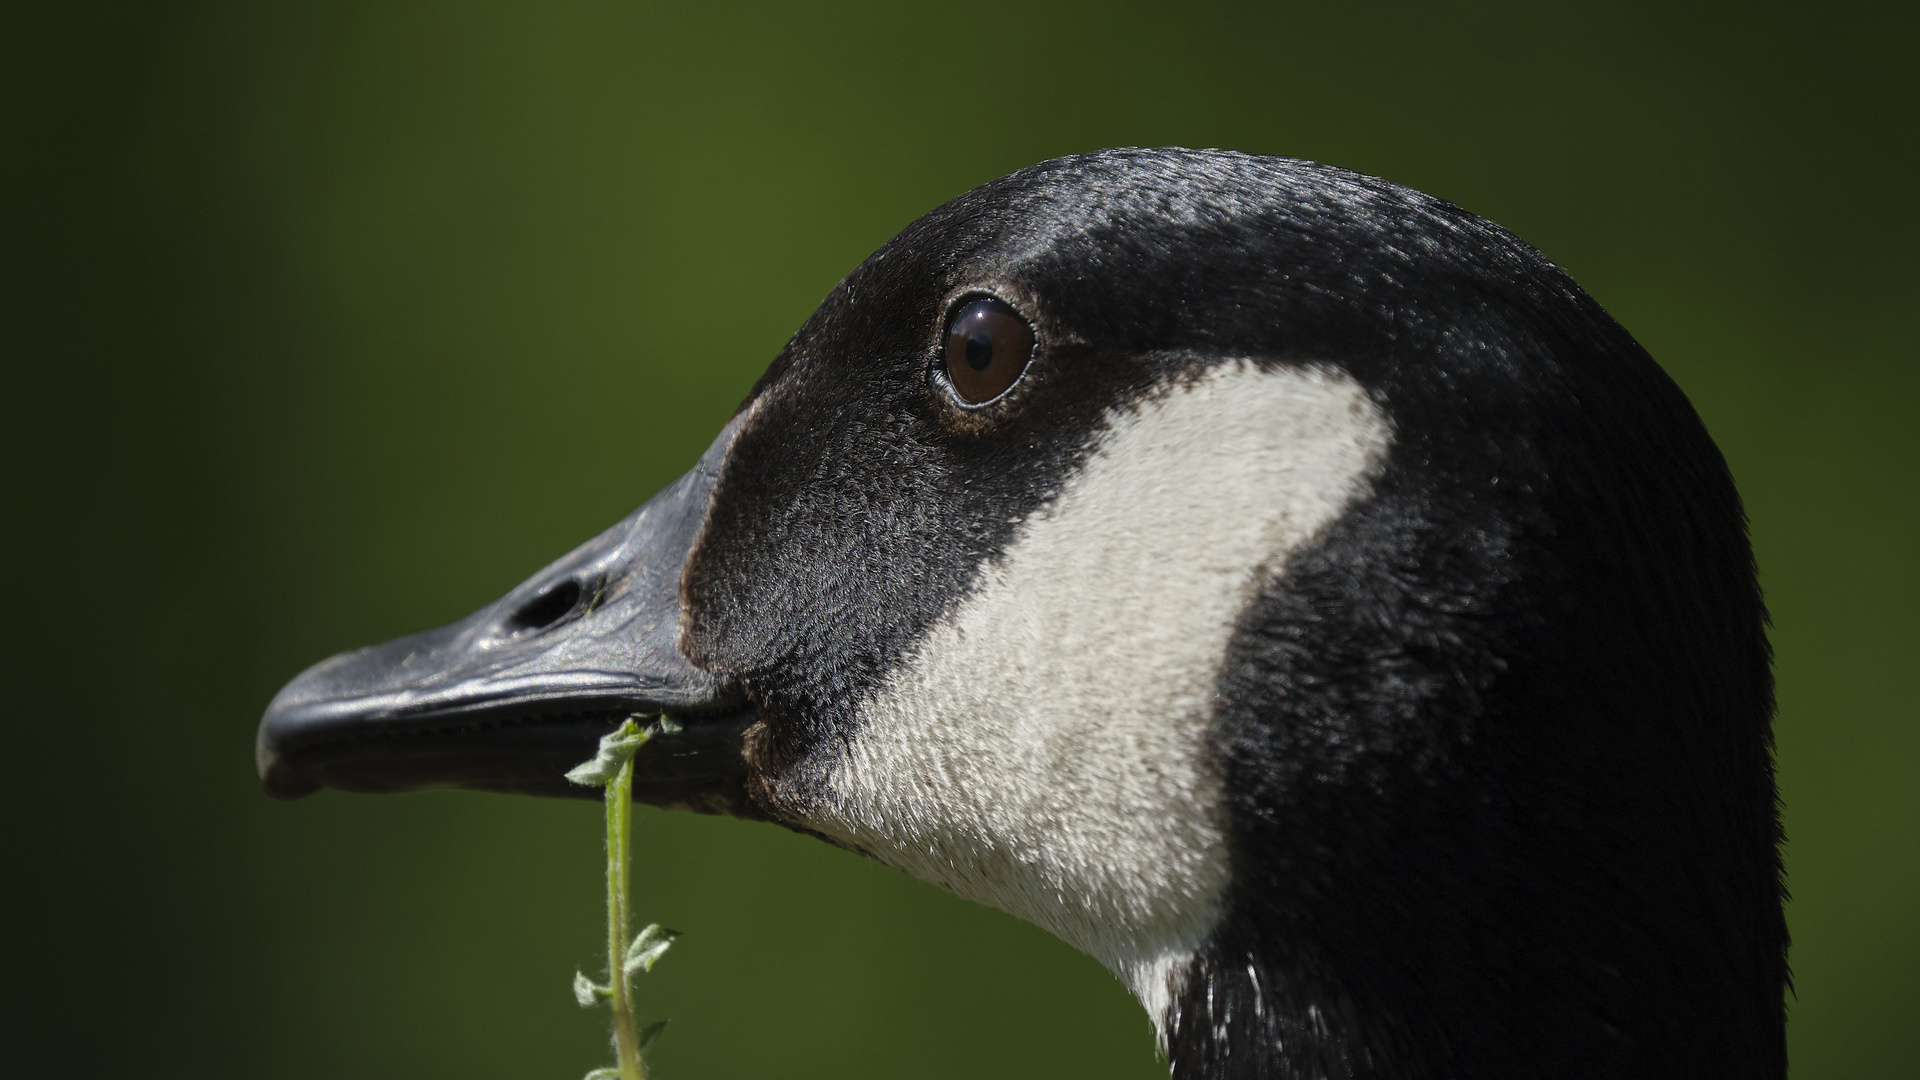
[{"x": 1047, "y": 749}]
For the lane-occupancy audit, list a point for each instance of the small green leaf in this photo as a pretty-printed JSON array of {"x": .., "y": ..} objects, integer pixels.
[
  {"x": 602, "y": 1074},
  {"x": 668, "y": 725},
  {"x": 585, "y": 992},
  {"x": 615, "y": 748},
  {"x": 651, "y": 1032},
  {"x": 648, "y": 947}
]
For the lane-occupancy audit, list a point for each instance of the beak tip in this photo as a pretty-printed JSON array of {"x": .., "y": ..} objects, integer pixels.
[
  {"x": 288, "y": 788},
  {"x": 280, "y": 779}
]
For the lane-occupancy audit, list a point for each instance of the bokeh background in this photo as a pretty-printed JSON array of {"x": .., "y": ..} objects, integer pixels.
[{"x": 327, "y": 321}]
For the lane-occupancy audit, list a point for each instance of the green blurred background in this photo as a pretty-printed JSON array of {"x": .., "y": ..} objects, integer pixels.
[{"x": 324, "y": 322}]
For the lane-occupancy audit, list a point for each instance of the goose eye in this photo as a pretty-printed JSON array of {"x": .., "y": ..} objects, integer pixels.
[{"x": 988, "y": 346}]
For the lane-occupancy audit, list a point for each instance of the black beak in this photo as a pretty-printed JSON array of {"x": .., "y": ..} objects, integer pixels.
[{"x": 514, "y": 695}]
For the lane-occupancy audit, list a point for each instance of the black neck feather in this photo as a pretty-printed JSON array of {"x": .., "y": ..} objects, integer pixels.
[{"x": 1502, "y": 797}]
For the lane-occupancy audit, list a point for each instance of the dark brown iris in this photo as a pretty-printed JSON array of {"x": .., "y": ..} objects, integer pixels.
[{"x": 988, "y": 346}]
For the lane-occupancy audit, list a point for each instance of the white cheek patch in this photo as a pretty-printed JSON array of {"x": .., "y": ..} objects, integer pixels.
[{"x": 1046, "y": 750}]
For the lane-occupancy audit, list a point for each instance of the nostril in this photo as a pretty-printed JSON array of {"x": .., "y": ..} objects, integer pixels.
[{"x": 547, "y": 608}]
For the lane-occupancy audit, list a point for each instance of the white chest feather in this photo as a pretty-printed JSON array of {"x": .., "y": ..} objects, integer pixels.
[{"x": 1046, "y": 751}]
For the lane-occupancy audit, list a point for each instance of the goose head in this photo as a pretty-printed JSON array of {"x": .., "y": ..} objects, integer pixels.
[{"x": 1286, "y": 587}]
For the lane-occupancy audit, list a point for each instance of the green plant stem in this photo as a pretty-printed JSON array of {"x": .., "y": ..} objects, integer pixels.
[{"x": 626, "y": 1039}]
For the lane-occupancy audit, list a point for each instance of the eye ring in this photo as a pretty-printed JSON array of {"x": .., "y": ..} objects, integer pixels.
[{"x": 986, "y": 348}]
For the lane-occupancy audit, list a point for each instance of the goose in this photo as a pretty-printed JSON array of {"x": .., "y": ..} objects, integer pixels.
[{"x": 1288, "y": 588}]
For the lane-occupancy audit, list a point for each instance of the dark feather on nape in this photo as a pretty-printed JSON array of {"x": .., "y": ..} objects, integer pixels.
[{"x": 1497, "y": 746}]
